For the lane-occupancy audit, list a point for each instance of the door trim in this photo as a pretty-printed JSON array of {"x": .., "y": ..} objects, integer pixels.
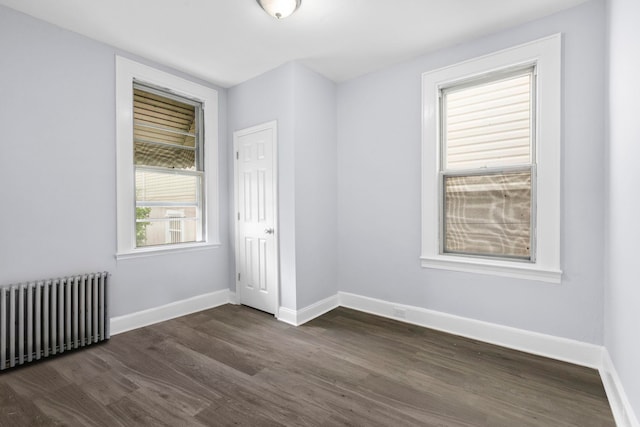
[{"x": 273, "y": 125}]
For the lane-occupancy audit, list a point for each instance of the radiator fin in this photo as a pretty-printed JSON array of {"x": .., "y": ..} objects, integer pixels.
[{"x": 48, "y": 317}]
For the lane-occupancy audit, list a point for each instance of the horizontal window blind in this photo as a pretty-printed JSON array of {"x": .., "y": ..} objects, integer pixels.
[
  {"x": 488, "y": 214},
  {"x": 488, "y": 125},
  {"x": 168, "y": 173},
  {"x": 164, "y": 132}
]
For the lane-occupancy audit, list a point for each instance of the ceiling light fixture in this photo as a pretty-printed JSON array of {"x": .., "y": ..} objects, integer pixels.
[{"x": 279, "y": 8}]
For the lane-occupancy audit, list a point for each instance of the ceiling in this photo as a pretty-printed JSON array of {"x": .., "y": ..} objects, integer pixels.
[{"x": 229, "y": 41}]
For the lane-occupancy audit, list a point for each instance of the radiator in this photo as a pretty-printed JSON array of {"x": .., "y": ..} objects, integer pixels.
[{"x": 47, "y": 317}]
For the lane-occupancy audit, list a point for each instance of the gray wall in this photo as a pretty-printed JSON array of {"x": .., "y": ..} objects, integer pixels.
[
  {"x": 57, "y": 168},
  {"x": 303, "y": 104},
  {"x": 316, "y": 186},
  {"x": 379, "y": 190},
  {"x": 622, "y": 317},
  {"x": 262, "y": 99}
]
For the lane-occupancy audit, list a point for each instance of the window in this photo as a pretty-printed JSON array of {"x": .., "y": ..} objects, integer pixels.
[
  {"x": 487, "y": 166},
  {"x": 167, "y": 153},
  {"x": 491, "y": 164},
  {"x": 167, "y": 161}
]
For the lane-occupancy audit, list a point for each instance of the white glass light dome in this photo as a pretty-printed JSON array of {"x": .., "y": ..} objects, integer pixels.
[{"x": 279, "y": 8}]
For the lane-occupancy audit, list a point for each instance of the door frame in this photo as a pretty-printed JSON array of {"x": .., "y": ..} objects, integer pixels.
[{"x": 273, "y": 125}]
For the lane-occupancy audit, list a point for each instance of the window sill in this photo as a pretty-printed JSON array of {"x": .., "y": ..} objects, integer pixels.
[
  {"x": 493, "y": 267},
  {"x": 153, "y": 251}
]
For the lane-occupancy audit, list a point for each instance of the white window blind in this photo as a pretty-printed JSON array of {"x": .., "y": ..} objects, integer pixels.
[{"x": 488, "y": 125}]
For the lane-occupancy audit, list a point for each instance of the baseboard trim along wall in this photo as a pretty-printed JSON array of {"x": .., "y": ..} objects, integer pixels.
[
  {"x": 620, "y": 406},
  {"x": 170, "y": 311},
  {"x": 579, "y": 353},
  {"x": 576, "y": 352},
  {"x": 564, "y": 349},
  {"x": 233, "y": 298},
  {"x": 299, "y": 317}
]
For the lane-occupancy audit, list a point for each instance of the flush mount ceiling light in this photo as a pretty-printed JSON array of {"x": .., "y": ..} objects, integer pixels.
[{"x": 279, "y": 8}]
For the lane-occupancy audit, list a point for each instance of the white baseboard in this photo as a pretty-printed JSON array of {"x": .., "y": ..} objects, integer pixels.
[
  {"x": 567, "y": 350},
  {"x": 299, "y": 317},
  {"x": 564, "y": 349},
  {"x": 622, "y": 410},
  {"x": 233, "y": 298},
  {"x": 579, "y": 353},
  {"x": 288, "y": 315},
  {"x": 169, "y": 311}
]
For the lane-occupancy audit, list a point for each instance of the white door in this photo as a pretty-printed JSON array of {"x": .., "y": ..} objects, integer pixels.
[{"x": 256, "y": 217}]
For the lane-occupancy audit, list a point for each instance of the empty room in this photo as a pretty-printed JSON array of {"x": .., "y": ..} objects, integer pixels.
[{"x": 319, "y": 212}]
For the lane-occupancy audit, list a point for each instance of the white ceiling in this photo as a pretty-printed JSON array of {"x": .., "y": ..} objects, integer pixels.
[{"x": 229, "y": 41}]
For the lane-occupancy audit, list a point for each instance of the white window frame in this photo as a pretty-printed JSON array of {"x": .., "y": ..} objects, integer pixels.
[
  {"x": 126, "y": 72},
  {"x": 546, "y": 55}
]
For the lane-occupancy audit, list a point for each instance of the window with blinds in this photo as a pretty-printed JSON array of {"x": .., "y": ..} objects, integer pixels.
[
  {"x": 487, "y": 166},
  {"x": 167, "y": 144}
]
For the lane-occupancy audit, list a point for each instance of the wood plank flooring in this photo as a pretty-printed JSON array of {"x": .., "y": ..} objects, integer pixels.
[{"x": 236, "y": 366}]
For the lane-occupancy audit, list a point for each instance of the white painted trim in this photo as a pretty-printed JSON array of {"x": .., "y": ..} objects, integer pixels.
[
  {"x": 154, "y": 251},
  {"x": 317, "y": 309},
  {"x": 620, "y": 406},
  {"x": 563, "y": 349},
  {"x": 126, "y": 72},
  {"x": 495, "y": 268},
  {"x": 576, "y": 352},
  {"x": 546, "y": 54},
  {"x": 302, "y": 316},
  {"x": 233, "y": 298},
  {"x": 273, "y": 126},
  {"x": 288, "y": 315},
  {"x": 169, "y": 311}
]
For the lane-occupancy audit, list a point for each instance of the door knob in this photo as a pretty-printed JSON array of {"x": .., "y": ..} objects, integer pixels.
[{"x": 268, "y": 230}]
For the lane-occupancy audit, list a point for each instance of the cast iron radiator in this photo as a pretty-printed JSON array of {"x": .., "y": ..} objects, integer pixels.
[{"x": 47, "y": 317}]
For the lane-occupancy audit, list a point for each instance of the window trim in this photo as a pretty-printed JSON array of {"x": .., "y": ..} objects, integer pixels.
[
  {"x": 126, "y": 72},
  {"x": 546, "y": 55}
]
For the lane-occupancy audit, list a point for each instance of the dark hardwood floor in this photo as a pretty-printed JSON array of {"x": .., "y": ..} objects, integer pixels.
[{"x": 236, "y": 366}]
